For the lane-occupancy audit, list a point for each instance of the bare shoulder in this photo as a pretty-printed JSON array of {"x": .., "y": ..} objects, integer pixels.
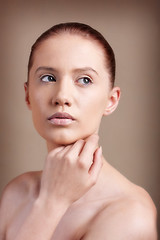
[
  {"x": 14, "y": 195},
  {"x": 129, "y": 217}
]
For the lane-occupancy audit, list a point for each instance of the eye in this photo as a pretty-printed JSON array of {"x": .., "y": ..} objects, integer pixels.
[
  {"x": 47, "y": 78},
  {"x": 84, "y": 81}
]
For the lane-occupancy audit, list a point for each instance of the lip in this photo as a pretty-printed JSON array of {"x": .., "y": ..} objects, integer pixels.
[{"x": 61, "y": 118}]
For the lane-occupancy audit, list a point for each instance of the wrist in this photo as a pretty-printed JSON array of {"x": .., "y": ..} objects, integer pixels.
[{"x": 49, "y": 206}]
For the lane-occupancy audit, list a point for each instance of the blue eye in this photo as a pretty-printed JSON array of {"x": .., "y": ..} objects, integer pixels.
[
  {"x": 84, "y": 81},
  {"x": 48, "y": 78}
]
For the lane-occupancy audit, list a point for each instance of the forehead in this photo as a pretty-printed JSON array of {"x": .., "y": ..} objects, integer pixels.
[{"x": 68, "y": 51}]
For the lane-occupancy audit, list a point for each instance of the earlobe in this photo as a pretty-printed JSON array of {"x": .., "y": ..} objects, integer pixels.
[
  {"x": 113, "y": 101},
  {"x": 27, "y": 95}
]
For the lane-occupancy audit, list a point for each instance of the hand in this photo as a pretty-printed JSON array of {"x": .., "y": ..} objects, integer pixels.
[{"x": 71, "y": 171}]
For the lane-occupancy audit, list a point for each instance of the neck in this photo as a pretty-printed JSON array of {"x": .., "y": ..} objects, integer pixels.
[
  {"x": 106, "y": 186},
  {"x": 51, "y": 146},
  {"x": 97, "y": 192}
]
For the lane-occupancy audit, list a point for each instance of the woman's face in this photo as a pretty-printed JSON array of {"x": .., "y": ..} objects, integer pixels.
[{"x": 68, "y": 76}]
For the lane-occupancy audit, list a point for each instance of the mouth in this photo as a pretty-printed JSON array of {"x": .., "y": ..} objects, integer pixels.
[{"x": 61, "y": 118}]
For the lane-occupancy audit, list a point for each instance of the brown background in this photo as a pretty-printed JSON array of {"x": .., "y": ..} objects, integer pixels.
[{"x": 130, "y": 137}]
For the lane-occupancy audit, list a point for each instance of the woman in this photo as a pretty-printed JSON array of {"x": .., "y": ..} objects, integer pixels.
[{"x": 77, "y": 195}]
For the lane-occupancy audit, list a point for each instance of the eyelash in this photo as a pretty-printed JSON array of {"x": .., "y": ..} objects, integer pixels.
[
  {"x": 51, "y": 76},
  {"x": 89, "y": 80},
  {"x": 54, "y": 79}
]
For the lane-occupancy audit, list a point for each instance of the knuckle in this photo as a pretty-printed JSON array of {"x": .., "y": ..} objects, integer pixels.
[
  {"x": 54, "y": 152},
  {"x": 68, "y": 158},
  {"x": 58, "y": 156},
  {"x": 80, "y": 141},
  {"x": 82, "y": 164}
]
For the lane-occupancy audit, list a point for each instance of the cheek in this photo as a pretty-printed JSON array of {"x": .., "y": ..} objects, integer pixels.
[
  {"x": 38, "y": 109},
  {"x": 37, "y": 98},
  {"x": 97, "y": 102},
  {"x": 94, "y": 108}
]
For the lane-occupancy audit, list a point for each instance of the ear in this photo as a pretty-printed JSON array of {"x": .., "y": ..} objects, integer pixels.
[
  {"x": 113, "y": 101},
  {"x": 26, "y": 88}
]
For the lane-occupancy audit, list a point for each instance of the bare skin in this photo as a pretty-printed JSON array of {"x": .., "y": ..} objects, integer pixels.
[
  {"x": 113, "y": 208},
  {"x": 77, "y": 195}
]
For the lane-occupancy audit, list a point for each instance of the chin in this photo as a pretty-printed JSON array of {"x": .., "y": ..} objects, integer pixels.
[
  {"x": 60, "y": 139},
  {"x": 65, "y": 136},
  {"x": 65, "y": 139}
]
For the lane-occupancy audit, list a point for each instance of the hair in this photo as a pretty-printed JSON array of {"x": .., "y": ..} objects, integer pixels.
[{"x": 83, "y": 30}]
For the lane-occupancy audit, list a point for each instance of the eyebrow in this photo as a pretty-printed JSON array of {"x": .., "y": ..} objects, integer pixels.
[
  {"x": 45, "y": 68},
  {"x": 85, "y": 69}
]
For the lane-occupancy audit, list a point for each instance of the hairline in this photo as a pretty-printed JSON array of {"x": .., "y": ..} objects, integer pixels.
[{"x": 79, "y": 33}]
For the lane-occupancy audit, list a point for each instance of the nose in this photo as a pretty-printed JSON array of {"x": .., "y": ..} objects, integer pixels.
[
  {"x": 63, "y": 95},
  {"x": 62, "y": 101}
]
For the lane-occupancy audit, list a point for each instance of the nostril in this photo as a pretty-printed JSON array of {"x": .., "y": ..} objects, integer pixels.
[
  {"x": 62, "y": 102},
  {"x": 67, "y": 103}
]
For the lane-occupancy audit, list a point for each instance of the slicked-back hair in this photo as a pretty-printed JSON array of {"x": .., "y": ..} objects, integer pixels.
[{"x": 86, "y": 32}]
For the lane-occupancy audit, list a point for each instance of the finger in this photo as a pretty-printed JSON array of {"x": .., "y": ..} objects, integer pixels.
[
  {"x": 91, "y": 136},
  {"x": 97, "y": 164},
  {"x": 74, "y": 150},
  {"x": 56, "y": 150},
  {"x": 86, "y": 156},
  {"x": 61, "y": 153},
  {"x": 66, "y": 149}
]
